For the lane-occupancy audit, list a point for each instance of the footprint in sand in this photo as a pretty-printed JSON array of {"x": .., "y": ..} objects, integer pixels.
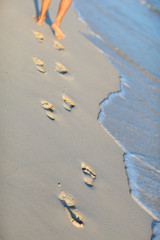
[
  {"x": 63, "y": 71},
  {"x": 57, "y": 45},
  {"x": 38, "y": 36},
  {"x": 70, "y": 209},
  {"x": 49, "y": 107},
  {"x": 68, "y": 103},
  {"x": 38, "y": 63},
  {"x": 50, "y": 115},
  {"x": 41, "y": 70},
  {"x": 61, "y": 68},
  {"x": 89, "y": 175}
]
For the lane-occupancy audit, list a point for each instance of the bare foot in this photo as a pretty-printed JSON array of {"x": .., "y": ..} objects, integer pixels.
[
  {"x": 57, "y": 30},
  {"x": 39, "y": 20}
]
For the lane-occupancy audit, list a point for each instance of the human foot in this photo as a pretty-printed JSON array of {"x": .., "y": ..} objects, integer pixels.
[
  {"x": 57, "y": 30},
  {"x": 39, "y": 20}
]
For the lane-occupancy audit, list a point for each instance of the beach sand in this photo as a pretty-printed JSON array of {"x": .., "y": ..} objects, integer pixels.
[{"x": 40, "y": 156}]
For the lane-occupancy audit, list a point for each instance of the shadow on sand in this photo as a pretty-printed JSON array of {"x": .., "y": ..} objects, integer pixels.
[{"x": 48, "y": 19}]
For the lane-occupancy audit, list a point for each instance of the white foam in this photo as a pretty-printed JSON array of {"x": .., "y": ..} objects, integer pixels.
[{"x": 156, "y": 230}]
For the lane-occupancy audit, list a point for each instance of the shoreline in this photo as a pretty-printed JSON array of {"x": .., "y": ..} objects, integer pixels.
[
  {"x": 128, "y": 90},
  {"x": 37, "y": 153}
]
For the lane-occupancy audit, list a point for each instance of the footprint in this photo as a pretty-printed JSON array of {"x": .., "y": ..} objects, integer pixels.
[
  {"x": 74, "y": 217},
  {"x": 89, "y": 180},
  {"x": 46, "y": 105},
  {"x": 90, "y": 176},
  {"x": 58, "y": 45},
  {"x": 67, "y": 200},
  {"x": 49, "y": 107},
  {"x": 61, "y": 68},
  {"x": 41, "y": 70},
  {"x": 50, "y": 115},
  {"x": 86, "y": 169},
  {"x": 68, "y": 103},
  {"x": 38, "y": 36},
  {"x": 70, "y": 209},
  {"x": 38, "y": 61},
  {"x": 67, "y": 107}
]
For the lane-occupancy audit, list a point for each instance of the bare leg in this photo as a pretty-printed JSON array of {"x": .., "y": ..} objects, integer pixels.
[
  {"x": 44, "y": 7},
  {"x": 63, "y": 7}
]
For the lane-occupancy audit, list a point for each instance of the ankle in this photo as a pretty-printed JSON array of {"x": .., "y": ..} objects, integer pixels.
[{"x": 57, "y": 22}]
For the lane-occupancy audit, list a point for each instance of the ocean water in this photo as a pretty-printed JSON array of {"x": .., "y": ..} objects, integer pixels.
[{"x": 128, "y": 33}]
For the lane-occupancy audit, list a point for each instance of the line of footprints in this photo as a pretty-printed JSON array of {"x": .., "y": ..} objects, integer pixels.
[
  {"x": 69, "y": 204},
  {"x": 60, "y": 68},
  {"x": 68, "y": 105},
  {"x": 89, "y": 176}
]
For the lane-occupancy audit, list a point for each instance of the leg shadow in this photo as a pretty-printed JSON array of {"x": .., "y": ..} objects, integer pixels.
[{"x": 48, "y": 19}]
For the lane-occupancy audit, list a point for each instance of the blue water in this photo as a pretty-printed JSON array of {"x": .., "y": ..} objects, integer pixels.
[{"x": 128, "y": 33}]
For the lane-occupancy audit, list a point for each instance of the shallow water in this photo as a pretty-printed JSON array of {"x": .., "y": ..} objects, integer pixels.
[{"x": 128, "y": 33}]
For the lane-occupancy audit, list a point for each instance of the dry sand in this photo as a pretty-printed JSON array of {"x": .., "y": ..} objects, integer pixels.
[{"x": 37, "y": 152}]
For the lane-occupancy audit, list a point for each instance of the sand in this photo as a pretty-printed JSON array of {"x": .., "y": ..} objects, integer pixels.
[{"x": 41, "y": 156}]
